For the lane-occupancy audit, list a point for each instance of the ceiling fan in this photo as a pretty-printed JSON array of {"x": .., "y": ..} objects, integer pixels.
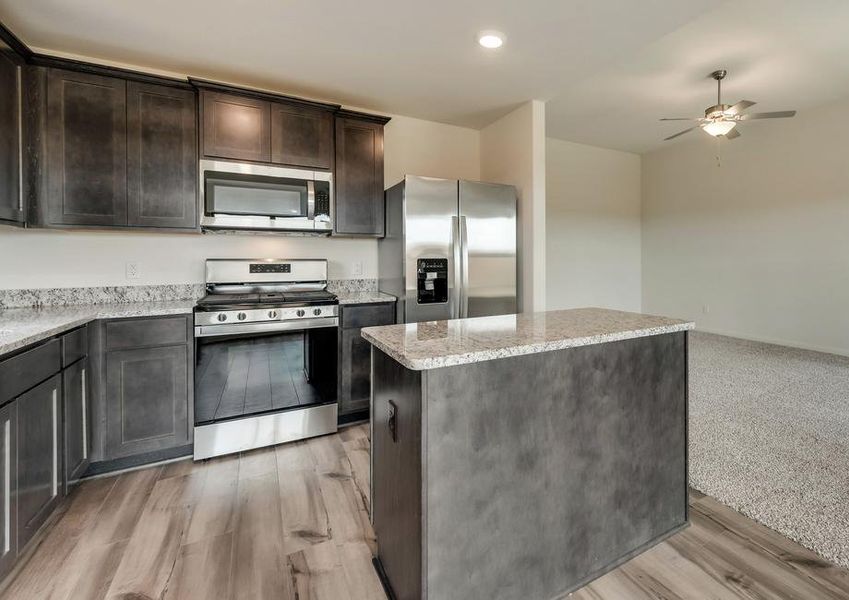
[{"x": 721, "y": 119}]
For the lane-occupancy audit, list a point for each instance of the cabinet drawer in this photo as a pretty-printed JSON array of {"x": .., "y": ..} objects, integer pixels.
[
  {"x": 138, "y": 333},
  {"x": 74, "y": 346},
  {"x": 21, "y": 372},
  {"x": 368, "y": 315}
]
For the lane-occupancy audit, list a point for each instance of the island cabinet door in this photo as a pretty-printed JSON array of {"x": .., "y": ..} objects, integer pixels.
[
  {"x": 162, "y": 162},
  {"x": 147, "y": 391},
  {"x": 8, "y": 486},
  {"x": 86, "y": 149},
  {"x": 39, "y": 455}
]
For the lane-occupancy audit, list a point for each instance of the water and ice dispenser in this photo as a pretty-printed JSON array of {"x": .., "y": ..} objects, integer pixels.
[{"x": 432, "y": 280}]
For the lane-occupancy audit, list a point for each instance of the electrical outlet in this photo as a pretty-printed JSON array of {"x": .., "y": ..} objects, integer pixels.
[
  {"x": 357, "y": 267},
  {"x": 705, "y": 309},
  {"x": 132, "y": 270}
]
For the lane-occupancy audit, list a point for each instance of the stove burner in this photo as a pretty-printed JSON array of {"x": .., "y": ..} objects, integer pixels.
[{"x": 223, "y": 300}]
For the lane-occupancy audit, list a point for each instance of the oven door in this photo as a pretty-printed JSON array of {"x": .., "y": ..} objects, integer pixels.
[
  {"x": 248, "y": 196},
  {"x": 263, "y": 368}
]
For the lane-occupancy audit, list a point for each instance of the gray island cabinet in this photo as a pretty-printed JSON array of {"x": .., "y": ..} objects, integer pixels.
[{"x": 522, "y": 456}]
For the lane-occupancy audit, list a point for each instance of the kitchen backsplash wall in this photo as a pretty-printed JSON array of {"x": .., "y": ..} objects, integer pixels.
[{"x": 136, "y": 293}]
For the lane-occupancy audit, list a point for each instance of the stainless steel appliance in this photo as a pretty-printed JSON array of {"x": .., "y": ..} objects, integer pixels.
[
  {"x": 450, "y": 249},
  {"x": 265, "y": 355},
  {"x": 237, "y": 195}
]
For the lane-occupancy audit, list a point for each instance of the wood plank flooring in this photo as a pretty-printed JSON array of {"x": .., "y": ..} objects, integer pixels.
[{"x": 291, "y": 523}]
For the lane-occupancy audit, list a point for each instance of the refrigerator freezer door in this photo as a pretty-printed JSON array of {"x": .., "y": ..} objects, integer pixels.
[
  {"x": 430, "y": 217},
  {"x": 489, "y": 266}
]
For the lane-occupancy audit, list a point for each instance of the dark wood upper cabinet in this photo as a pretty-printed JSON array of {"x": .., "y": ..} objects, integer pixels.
[
  {"x": 162, "y": 162},
  {"x": 11, "y": 200},
  {"x": 359, "y": 175},
  {"x": 236, "y": 127},
  {"x": 87, "y": 149},
  {"x": 301, "y": 137}
]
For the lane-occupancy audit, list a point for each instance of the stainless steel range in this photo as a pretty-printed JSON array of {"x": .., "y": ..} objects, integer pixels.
[{"x": 266, "y": 355}]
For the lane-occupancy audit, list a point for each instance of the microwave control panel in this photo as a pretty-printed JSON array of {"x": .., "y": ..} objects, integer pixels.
[
  {"x": 432, "y": 280},
  {"x": 322, "y": 198}
]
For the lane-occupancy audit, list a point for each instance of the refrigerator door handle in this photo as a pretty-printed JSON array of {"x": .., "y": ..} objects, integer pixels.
[
  {"x": 464, "y": 269},
  {"x": 457, "y": 293}
]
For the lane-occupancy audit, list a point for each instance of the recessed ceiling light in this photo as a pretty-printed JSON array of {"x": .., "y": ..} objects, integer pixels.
[{"x": 491, "y": 39}]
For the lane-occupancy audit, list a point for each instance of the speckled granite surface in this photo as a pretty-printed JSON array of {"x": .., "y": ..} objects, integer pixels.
[
  {"x": 435, "y": 344},
  {"x": 364, "y": 297},
  {"x": 338, "y": 286},
  {"x": 99, "y": 295},
  {"x": 21, "y": 327}
]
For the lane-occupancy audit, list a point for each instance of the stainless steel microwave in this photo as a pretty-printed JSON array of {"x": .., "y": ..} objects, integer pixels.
[{"x": 237, "y": 195}]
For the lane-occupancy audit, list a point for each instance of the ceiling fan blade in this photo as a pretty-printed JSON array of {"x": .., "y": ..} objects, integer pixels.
[
  {"x": 781, "y": 114},
  {"x": 679, "y": 133},
  {"x": 739, "y": 107},
  {"x": 732, "y": 134},
  {"x": 681, "y": 119}
]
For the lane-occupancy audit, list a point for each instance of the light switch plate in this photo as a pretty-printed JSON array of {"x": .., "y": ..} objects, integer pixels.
[
  {"x": 132, "y": 270},
  {"x": 357, "y": 267}
]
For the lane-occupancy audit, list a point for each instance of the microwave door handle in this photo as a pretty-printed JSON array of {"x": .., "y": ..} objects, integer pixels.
[{"x": 310, "y": 200}]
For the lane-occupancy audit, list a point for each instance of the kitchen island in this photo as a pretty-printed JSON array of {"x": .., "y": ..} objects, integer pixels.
[{"x": 522, "y": 456}]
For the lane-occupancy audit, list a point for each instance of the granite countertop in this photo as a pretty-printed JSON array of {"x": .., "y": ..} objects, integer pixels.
[
  {"x": 364, "y": 297},
  {"x": 435, "y": 344},
  {"x": 21, "y": 327}
]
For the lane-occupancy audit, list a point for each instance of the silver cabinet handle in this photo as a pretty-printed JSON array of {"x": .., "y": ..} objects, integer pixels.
[
  {"x": 85, "y": 420},
  {"x": 7, "y": 485},
  {"x": 55, "y": 441}
]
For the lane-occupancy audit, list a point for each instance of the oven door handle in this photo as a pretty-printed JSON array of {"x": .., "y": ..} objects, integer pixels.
[{"x": 237, "y": 329}]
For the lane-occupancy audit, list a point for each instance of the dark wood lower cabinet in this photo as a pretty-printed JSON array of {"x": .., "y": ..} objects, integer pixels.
[
  {"x": 76, "y": 421},
  {"x": 39, "y": 455},
  {"x": 147, "y": 400},
  {"x": 8, "y": 487},
  {"x": 355, "y": 354}
]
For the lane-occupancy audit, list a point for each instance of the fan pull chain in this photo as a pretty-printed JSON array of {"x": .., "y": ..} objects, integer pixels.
[{"x": 718, "y": 152}]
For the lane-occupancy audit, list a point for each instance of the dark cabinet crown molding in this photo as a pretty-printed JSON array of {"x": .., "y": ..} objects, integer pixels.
[
  {"x": 15, "y": 43},
  {"x": 344, "y": 113},
  {"x": 226, "y": 88}
]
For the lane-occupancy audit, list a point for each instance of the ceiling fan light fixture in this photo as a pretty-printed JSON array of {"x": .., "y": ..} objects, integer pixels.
[{"x": 716, "y": 128}]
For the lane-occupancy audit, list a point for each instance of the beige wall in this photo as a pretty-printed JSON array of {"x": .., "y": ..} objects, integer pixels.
[
  {"x": 763, "y": 240},
  {"x": 592, "y": 209},
  {"x": 513, "y": 151},
  {"x": 39, "y": 259}
]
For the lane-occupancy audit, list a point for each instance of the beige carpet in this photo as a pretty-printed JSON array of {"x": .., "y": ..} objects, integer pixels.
[{"x": 769, "y": 436}]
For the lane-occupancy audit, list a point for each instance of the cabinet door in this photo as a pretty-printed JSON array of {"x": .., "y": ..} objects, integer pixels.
[
  {"x": 359, "y": 177},
  {"x": 301, "y": 137},
  {"x": 39, "y": 455},
  {"x": 236, "y": 127},
  {"x": 11, "y": 208},
  {"x": 76, "y": 419},
  {"x": 86, "y": 149},
  {"x": 355, "y": 354},
  {"x": 147, "y": 397},
  {"x": 162, "y": 162},
  {"x": 8, "y": 487}
]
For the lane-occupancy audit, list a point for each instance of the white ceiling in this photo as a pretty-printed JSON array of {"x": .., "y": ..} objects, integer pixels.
[{"x": 608, "y": 68}]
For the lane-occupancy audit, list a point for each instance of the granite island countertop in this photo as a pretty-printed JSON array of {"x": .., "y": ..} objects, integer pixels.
[
  {"x": 20, "y": 327},
  {"x": 435, "y": 344}
]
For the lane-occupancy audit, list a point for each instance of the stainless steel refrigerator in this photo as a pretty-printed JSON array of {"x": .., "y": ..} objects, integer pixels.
[{"x": 450, "y": 249}]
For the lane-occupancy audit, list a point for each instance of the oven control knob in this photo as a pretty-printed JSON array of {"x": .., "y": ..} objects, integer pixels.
[
  {"x": 272, "y": 314},
  {"x": 316, "y": 311},
  {"x": 300, "y": 312},
  {"x": 241, "y": 316},
  {"x": 221, "y": 317}
]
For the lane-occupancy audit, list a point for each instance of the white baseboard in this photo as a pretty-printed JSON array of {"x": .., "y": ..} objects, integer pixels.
[{"x": 777, "y": 342}]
